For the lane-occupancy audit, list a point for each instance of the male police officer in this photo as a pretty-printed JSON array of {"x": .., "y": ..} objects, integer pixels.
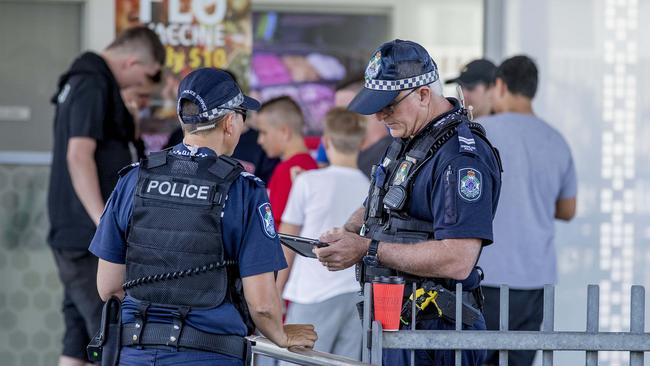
[
  {"x": 184, "y": 231},
  {"x": 432, "y": 198}
]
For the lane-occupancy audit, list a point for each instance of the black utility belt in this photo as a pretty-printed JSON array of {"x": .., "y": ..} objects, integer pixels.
[
  {"x": 157, "y": 334},
  {"x": 435, "y": 301},
  {"x": 366, "y": 274}
]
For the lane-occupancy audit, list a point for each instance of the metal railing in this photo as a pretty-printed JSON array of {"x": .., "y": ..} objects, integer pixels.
[
  {"x": 636, "y": 341},
  {"x": 300, "y": 355}
]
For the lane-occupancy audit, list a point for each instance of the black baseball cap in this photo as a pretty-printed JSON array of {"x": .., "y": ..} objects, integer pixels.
[
  {"x": 477, "y": 71},
  {"x": 394, "y": 66},
  {"x": 215, "y": 92}
]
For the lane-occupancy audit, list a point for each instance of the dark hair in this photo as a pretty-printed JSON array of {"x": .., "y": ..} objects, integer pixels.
[
  {"x": 191, "y": 109},
  {"x": 519, "y": 73},
  {"x": 284, "y": 101},
  {"x": 141, "y": 38}
]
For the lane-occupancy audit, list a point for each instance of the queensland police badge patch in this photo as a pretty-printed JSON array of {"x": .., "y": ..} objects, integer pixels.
[
  {"x": 268, "y": 224},
  {"x": 373, "y": 66},
  {"x": 469, "y": 184}
]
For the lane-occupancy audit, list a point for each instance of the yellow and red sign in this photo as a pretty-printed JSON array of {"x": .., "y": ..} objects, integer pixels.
[{"x": 195, "y": 33}]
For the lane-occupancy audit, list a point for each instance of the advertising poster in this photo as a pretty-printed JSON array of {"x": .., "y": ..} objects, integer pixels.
[
  {"x": 195, "y": 33},
  {"x": 307, "y": 55}
]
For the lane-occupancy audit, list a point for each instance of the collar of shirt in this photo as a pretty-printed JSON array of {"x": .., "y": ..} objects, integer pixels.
[
  {"x": 440, "y": 121},
  {"x": 187, "y": 150}
]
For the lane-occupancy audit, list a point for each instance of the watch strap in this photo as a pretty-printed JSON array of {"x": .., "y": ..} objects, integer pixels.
[{"x": 373, "y": 247}]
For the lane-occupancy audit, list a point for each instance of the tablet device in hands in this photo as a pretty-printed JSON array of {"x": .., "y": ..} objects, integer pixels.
[{"x": 300, "y": 245}]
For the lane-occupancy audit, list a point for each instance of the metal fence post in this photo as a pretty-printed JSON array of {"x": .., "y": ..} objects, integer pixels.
[
  {"x": 637, "y": 320},
  {"x": 459, "y": 320},
  {"x": 593, "y": 303},
  {"x": 549, "y": 319},
  {"x": 377, "y": 346},
  {"x": 504, "y": 314},
  {"x": 365, "y": 324},
  {"x": 413, "y": 313}
]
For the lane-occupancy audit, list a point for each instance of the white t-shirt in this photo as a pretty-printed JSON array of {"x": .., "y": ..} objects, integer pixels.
[{"x": 320, "y": 200}]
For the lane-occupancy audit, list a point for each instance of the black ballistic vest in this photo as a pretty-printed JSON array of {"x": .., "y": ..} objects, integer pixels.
[
  {"x": 175, "y": 233},
  {"x": 386, "y": 215}
]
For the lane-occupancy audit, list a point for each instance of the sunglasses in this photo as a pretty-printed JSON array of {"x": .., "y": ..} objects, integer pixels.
[
  {"x": 390, "y": 109},
  {"x": 242, "y": 111}
]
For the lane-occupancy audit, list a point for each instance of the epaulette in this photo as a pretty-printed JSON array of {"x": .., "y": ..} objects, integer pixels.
[
  {"x": 127, "y": 169},
  {"x": 253, "y": 177},
  {"x": 466, "y": 141}
]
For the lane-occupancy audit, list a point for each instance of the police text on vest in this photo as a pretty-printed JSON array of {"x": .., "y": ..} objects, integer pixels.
[{"x": 182, "y": 190}]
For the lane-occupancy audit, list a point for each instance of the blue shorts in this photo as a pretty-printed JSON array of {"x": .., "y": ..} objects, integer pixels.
[
  {"x": 400, "y": 357},
  {"x": 168, "y": 356}
]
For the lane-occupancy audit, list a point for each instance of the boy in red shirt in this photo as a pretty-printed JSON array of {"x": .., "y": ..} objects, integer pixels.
[{"x": 280, "y": 123}]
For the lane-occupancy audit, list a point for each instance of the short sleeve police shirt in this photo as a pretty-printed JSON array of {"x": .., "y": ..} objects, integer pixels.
[
  {"x": 458, "y": 192},
  {"x": 248, "y": 236}
]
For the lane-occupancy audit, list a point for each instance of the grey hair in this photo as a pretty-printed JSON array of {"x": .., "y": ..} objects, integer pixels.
[{"x": 436, "y": 87}]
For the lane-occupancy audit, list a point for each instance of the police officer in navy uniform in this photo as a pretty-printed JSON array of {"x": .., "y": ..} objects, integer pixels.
[
  {"x": 185, "y": 233},
  {"x": 432, "y": 197}
]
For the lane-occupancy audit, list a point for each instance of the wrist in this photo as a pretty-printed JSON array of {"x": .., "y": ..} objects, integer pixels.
[
  {"x": 371, "y": 257},
  {"x": 285, "y": 340},
  {"x": 350, "y": 227}
]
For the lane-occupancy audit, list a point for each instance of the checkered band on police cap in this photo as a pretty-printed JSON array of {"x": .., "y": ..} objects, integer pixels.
[
  {"x": 223, "y": 109},
  {"x": 213, "y": 113},
  {"x": 402, "y": 84}
]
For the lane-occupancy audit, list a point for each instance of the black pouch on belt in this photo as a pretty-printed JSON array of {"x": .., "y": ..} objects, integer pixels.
[{"x": 106, "y": 344}]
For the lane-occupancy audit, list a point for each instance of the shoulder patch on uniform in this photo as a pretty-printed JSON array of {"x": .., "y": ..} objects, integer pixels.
[
  {"x": 466, "y": 139},
  {"x": 127, "y": 169},
  {"x": 268, "y": 224},
  {"x": 252, "y": 177},
  {"x": 470, "y": 184}
]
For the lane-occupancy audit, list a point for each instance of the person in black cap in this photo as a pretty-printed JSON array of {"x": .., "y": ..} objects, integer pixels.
[
  {"x": 432, "y": 198},
  {"x": 186, "y": 232},
  {"x": 477, "y": 82}
]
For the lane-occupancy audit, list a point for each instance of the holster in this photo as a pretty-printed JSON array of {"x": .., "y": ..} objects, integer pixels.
[{"x": 105, "y": 346}]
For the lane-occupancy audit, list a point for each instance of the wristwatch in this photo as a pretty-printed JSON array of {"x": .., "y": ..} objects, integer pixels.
[{"x": 370, "y": 259}]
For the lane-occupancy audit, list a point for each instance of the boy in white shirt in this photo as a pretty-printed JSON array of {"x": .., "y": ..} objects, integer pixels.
[{"x": 320, "y": 200}]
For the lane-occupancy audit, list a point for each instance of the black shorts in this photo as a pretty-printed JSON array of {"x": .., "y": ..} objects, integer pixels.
[
  {"x": 526, "y": 312},
  {"x": 82, "y": 306}
]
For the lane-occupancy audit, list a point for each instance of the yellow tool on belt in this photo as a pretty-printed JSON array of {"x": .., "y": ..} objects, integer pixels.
[
  {"x": 422, "y": 300},
  {"x": 444, "y": 302}
]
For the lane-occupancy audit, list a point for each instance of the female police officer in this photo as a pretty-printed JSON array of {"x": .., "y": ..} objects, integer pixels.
[{"x": 184, "y": 231}]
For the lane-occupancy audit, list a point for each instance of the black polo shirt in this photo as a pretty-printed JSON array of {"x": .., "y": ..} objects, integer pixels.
[{"x": 88, "y": 104}]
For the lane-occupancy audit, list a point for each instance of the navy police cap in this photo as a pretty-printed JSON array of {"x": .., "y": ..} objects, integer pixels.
[
  {"x": 395, "y": 66},
  {"x": 215, "y": 92}
]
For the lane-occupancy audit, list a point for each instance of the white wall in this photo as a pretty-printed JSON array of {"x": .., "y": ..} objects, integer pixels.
[{"x": 594, "y": 84}]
